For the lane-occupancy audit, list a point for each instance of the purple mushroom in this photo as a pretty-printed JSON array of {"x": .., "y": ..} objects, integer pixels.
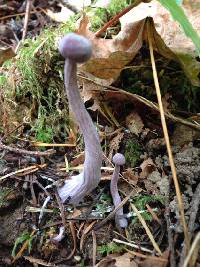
[
  {"x": 120, "y": 221},
  {"x": 77, "y": 49}
]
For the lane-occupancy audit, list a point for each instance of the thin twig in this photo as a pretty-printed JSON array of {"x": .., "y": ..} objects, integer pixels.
[
  {"x": 140, "y": 255},
  {"x": 154, "y": 106},
  {"x": 167, "y": 141},
  {"x": 94, "y": 252},
  {"x": 132, "y": 245},
  {"x": 26, "y": 19},
  {"x": 30, "y": 169},
  {"x": 190, "y": 253},
  {"x": 27, "y": 152},
  {"x": 169, "y": 230},
  {"x": 155, "y": 245},
  {"x": 194, "y": 207},
  {"x": 116, "y": 18},
  {"x": 62, "y": 209}
]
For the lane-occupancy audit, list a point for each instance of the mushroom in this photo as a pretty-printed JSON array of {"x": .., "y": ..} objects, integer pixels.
[
  {"x": 118, "y": 160},
  {"x": 77, "y": 49}
]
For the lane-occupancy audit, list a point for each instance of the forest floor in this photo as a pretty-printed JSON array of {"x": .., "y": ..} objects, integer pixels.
[{"x": 128, "y": 122}]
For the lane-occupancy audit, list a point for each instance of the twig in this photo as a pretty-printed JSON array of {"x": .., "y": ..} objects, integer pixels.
[
  {"x": 132, "y": 245},
  {"x": 26, "y": 152},
  {"x": 26, "y": 19},
  {"x": 190, "y": 253},
  {"x": 193, "y": 214},
  {"x": 194, "y": 209},
  {"x": 21, "y": 14},
  {"x": 62, "y": 209},
  {"x": 140, "y": 255},
  {"x": 9, "y": 133},
  {"x": 169, "y": 230},
  {"x": 167, "y": 141},
  {"x": 31, "y": 169},
  {"x": 43, "y": 208},
  {"x": 116, "y": 18},
  {"x": 115, "y": 90},
  {"x": 155, "y": 245},
  {"x": 94, "y": 252}
]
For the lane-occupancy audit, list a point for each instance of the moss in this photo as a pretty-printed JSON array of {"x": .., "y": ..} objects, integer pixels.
[
  {"x": 133, "y": 151},
  {"x": 34, "y": 79},
  {"x": 39, "y": 84},
  {"x": 99, "y": 16}
]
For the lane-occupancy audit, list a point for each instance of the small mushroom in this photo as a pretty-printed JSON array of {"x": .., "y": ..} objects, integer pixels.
[
  {"x": 118, "y": 160},
  {"x": 77, "y": 49}
]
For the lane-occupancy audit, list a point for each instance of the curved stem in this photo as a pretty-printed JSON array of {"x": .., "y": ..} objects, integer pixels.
[
  {"x": 119, "y": 215},
  {"x": 77, "y": 187}
]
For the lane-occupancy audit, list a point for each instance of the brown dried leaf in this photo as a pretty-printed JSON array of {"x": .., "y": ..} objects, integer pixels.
[
  {"x": 124, "y": 260},
  {"x": 134, "y": 123},
  {"x": 111, "y": 55},
  {"x": 130, "y": 176},
  {"x": 5, "y": 54},
  {"x": 149, "y": 262},
  {"x": 114, "y": 144},
  {"x": 147, "y": 167}
]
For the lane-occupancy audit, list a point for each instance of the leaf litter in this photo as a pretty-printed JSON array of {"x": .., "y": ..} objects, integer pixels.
[{"x": 150, "y": 174}]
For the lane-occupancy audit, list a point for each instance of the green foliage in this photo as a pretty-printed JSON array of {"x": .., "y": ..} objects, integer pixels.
[
  {"x": 133, "y": 151},
  {"x": 103, "y": 204},
  {"x": 110, "y": 248},
  {"x": 141, "y": 201},
  {"x": 178, "y": 14},
  {"x": 25, "y": 236}
]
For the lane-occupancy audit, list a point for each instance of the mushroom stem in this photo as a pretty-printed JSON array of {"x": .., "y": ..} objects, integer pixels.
[
  {"x": 80, "y": 185},
  {"x": 120, "y": 221}
]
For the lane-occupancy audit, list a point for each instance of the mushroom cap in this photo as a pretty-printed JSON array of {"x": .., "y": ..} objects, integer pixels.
[
  {"x": 75, "y": 47},
  {"x": 119, "y": 159}
]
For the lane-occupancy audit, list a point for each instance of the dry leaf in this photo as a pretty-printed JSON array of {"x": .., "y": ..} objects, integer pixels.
[
  {"x": 147, "y": 167},
  {"x": 111, "y": 55},
  {"x": 184, "y": 135},
  {"x": 5, "y": 54},
  {"x": 169, "y": 38},
  {"x": 134, "y": 123},
  {"x": 114, "y": 144},
  {"x": 124, "y": 260},
  {"x": 130, "y": 176},
  {"x": 155, "y": 262}
]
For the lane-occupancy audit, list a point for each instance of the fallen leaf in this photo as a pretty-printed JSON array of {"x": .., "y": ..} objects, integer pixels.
[
  {"x": 130, "y": 176},
  {"x": 134, "y": 123},
  {"x": 124, "y": 260},
  {"x": 111, "y": 55},
  {"x": 5, "y": 54},
  {"x": 114, "y": 144},
  {"x": 155, "y": 262},
  {"x": 147, "y": 167}
]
